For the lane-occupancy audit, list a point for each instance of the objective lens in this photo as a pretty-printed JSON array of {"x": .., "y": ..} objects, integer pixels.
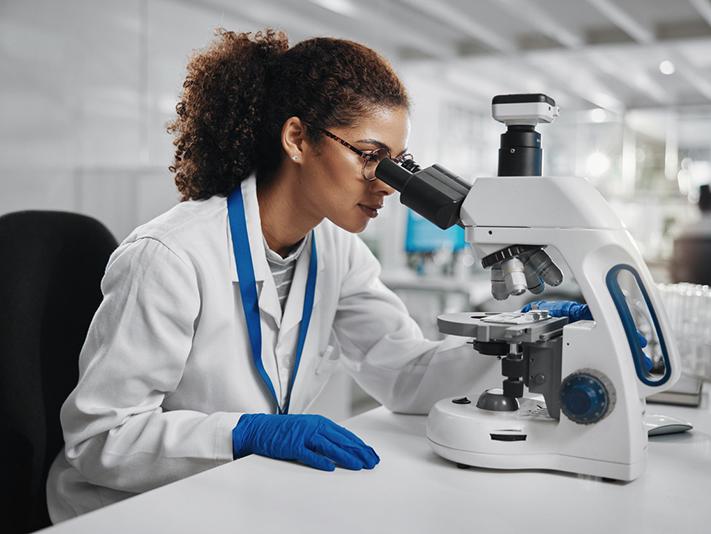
[
  {"x": 533, "y": 281},
  {"x": 498, "y": 287},
  {"x": 540, "y": 263},
  {"x": 514, "y": 278}
]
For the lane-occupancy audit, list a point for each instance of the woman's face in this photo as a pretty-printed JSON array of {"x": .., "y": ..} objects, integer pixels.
[{"x": 333, "y": 174}]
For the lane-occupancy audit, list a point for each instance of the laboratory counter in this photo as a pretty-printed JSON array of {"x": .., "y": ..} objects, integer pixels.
[{"x": 413, "y": 490}]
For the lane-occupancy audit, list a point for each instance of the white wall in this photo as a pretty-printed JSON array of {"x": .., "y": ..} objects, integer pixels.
[{"x": 86, "y": 89}]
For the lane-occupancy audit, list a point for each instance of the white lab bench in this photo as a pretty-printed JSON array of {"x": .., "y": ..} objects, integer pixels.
[{"x": 413, "y": 490}]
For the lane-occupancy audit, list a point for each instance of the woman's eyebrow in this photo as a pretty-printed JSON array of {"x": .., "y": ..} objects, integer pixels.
[
  {"x": 375, "y": 142},
  {"x": 380, "y": 144}
]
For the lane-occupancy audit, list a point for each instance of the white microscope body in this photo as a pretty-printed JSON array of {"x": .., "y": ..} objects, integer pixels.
[
  {"x": 570, "y": 215},
  {"x": 593, "y": 371}
]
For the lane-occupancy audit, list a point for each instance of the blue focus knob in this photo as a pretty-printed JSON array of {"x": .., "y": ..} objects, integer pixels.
[{"x": 587, "y": 396}]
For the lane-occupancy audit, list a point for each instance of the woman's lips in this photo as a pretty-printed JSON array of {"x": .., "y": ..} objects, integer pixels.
[{"x": 371, "y": 212}]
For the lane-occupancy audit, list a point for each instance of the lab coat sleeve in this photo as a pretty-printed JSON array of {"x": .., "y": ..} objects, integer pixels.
[
  {"x": 115, "y": 430},
  {"x": 384, "y": 349}
]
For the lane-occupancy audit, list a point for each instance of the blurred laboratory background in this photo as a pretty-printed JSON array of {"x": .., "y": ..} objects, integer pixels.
[{"x": 87, "y": 87}]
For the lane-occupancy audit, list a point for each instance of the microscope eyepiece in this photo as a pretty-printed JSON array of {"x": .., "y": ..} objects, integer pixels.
[
  {"x": 434, "y": 192},
  {"x": 410, "y": 165}
]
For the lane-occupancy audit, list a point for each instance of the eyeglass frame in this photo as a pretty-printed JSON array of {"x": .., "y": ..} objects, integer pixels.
[{"x": 367, "y": 155}]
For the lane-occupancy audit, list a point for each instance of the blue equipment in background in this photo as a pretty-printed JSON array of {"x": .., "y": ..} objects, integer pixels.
[{"x": 423, "y": 236}]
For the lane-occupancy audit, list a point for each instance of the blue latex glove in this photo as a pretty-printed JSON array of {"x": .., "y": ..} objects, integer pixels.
[
  {"x": 579, "y": 312},
  {"x": 562, "y": 308},
  {"x": 312, "y": 440}
]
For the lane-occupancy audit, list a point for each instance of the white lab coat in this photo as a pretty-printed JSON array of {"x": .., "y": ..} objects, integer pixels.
[{"x": 166, "y": 369}]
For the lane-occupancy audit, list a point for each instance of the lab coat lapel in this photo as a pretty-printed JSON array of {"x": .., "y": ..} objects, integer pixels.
[
  {"x": 292, "y": 319},
  {"x": 268, "y": 297}
]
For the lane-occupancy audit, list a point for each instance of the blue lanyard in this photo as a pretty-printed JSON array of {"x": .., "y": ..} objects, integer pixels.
[{"x": 250, "y": 300}]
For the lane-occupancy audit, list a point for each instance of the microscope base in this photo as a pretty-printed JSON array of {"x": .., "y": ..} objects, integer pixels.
[{"x": 525, "y": 439}]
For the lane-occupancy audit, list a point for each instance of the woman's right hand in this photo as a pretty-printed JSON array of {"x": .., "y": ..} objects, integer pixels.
[{"x": 312, "y": 440}]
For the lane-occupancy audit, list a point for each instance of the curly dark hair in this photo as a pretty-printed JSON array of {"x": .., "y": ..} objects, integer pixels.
[{"x": 240, "y": 90}]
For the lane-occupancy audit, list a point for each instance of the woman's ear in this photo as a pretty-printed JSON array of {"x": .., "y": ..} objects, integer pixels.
[{"x": 293, "y": 137}]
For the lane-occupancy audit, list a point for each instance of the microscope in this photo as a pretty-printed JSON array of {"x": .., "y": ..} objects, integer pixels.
[{"x": 572, "y": 396}]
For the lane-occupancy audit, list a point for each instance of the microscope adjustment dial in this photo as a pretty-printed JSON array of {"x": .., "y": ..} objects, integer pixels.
[{"x": 587, "y": 396}]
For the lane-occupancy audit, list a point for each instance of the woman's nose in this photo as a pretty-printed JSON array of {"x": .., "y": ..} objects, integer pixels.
[{"x": 382, "y": 187}]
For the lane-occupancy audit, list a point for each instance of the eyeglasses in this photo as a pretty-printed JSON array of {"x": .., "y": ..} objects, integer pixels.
[{"x": 371, "y": 158}]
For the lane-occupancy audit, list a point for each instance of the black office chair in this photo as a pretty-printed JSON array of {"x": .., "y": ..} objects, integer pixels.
[
  {"x": 691, "y": 261},
  {"x": 51, "y": 264}
]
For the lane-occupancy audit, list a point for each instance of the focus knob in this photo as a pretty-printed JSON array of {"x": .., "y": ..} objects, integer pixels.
[{"x": 587, "y": 396}]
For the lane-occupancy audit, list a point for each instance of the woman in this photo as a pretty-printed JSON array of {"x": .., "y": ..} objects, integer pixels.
[{"x": 196, "y": 356}]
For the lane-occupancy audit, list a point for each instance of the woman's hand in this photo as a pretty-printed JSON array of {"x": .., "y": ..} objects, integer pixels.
[
  {"x": 579, "y": 312},
  {"x": 562, "y": 308},
  {"x": 312, "y": 440}
]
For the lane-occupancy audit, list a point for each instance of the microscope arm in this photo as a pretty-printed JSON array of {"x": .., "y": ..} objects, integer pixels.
[{"x": 439, "y": 196}]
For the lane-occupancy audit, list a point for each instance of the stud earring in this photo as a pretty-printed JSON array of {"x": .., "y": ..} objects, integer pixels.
[{"x": 295, "y": 158}]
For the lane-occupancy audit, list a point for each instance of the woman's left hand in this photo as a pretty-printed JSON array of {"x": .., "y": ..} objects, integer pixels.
[
  {"x": 576, "y": 311},
  {"x": 562, "y": 308}
]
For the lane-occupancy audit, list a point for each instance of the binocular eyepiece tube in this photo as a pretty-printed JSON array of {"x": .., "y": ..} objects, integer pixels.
[{"x": 434, "y": 192}]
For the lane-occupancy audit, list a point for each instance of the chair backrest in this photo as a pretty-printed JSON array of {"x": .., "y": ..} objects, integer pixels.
[
  {"x": 51, "y": 265},
  {"x": 691, "y": 261}
]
